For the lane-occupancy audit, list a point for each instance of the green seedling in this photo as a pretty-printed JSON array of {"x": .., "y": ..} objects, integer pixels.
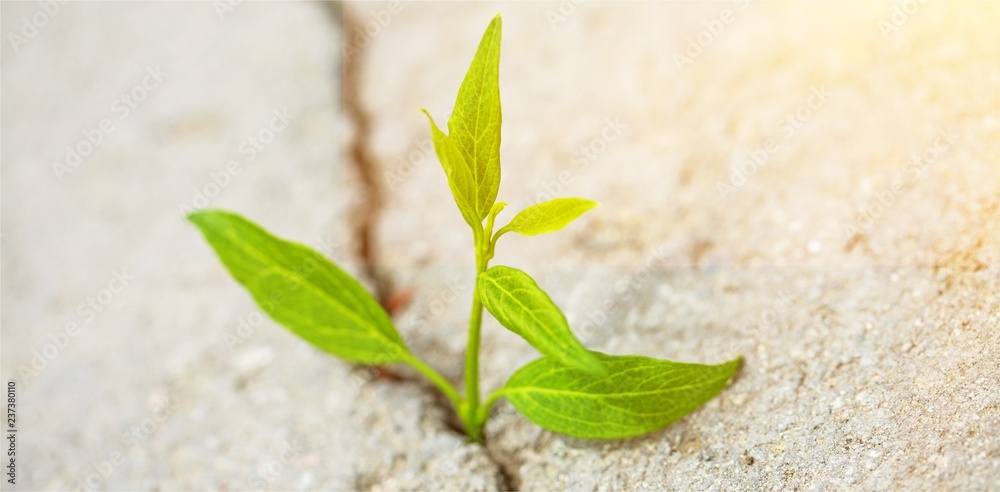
[{"x": 570, "y": 389}]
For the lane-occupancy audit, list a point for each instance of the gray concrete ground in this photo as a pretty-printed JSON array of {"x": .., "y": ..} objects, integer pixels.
[{"x": 860, "y": 285}]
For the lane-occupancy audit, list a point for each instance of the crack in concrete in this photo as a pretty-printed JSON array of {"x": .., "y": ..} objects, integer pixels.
[
  {"x": 366, "y": 217},
  {"x": 508, "y": 468},
  {"x": 367, "y": 213}
]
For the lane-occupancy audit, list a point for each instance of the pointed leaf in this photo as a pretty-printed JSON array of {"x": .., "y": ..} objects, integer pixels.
[
  {"x": 637, "y": 395},
  {"x": 475, "y": 122},
  {"x": 548, "y": 216},
  {"x": 497, "y": 208},
  {"x": 460, "y": 180},
  {"x": 303, "y": 290},
  {"x": 520, "y": 305}
]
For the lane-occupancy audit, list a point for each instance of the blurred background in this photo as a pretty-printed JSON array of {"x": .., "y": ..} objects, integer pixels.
[{"x": 814, "y": 186}]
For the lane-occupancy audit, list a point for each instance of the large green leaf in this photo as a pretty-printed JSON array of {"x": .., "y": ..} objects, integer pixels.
[
  {"x": 637, "y": 395},
  {"x": 303, "y": 290},
  {"x": 475, "y": 122},
  {"x": 549, "y": 216},
  {"x": 460, "y": 179},
  {"x": 520, "y": 305}
]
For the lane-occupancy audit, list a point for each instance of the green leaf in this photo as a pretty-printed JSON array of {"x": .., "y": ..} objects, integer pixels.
[
  {"x": 303, "y": 291},
  {"x": 460, "y": 179},
  {"x": 517, "y": 302},
  {"x": 548, "y": 216},
  {"x": 497, "y": 208},
  {"x": 637, "y": 395},
  {"x": 475, "y": 122}
]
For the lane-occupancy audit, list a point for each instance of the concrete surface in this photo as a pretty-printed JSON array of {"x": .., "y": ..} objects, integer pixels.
[
  {"x": 867, "y": 311},
  {"x": 870, "y": 330},
  {"x": 177, "y": 383}
]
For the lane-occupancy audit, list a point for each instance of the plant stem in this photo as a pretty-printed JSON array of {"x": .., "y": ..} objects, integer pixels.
[
  {"x": 472, "y": 396},
  {"x": 490, "y": 400},
  {"x": 485, "y": 243},
  {"x": 436, "y": 378}
]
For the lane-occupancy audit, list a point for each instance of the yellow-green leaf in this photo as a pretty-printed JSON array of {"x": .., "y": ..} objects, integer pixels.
[
  {"x": 460, "y": 179},
  {"x": 475, "y": 122},
  {"x": 548, "y": 216},
  {"x": 521, "y": 306},
  {"x": 637, "y": 395},
  {"x": 303, "y": 290}
]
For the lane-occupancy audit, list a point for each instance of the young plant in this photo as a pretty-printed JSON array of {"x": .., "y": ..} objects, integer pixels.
[{"x": 570, "y": 389}]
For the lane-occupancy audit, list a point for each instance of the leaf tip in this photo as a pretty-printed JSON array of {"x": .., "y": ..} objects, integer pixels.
[
  {"x": 434, "y": 128},
  {"x": 200, "y": 217},
  {"x": 737, "y": 363},
  {"x": 497, "y": 208},
  {"x": 207, "y": 216},
  {"x": 731, "y": 367}
]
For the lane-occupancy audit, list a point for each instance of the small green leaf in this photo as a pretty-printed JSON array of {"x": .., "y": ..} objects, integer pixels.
[
  {"x": 497, "y": 208},
  {"x": 548, "y": 216},
  {"x": 303, "y": 290},
  {"x": 637, "y": 395},
  {"x": 490, "y": 220},
  {"x": 520, "y": 305},
  {"x": 475, "y": 121},
  {"x": 460, "y": 179}
]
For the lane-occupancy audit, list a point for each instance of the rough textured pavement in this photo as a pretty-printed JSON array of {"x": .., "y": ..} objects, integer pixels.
[{"x": 860, "y": 285}]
